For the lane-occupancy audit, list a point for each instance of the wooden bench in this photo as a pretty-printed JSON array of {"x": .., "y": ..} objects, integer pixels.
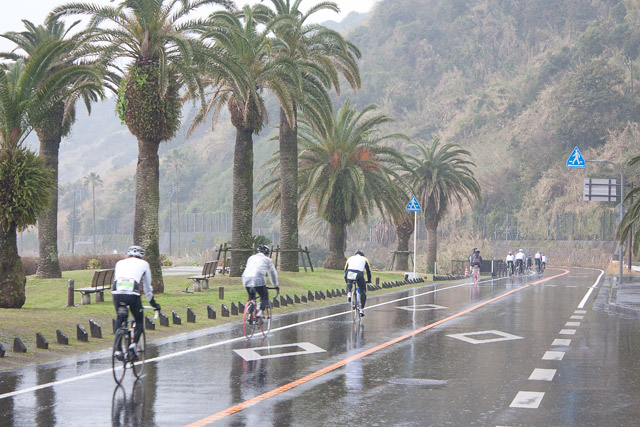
[
  {"x": 225, "y": 268},
  {"x": 202, "y": 281},
  {"x": 102, "y": 280}
]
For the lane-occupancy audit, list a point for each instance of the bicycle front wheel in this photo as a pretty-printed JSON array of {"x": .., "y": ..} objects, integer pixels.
[
  {"x": 118, "y": 364},
  {"x": 141, "y": 347},
  {"x": 267, "y": 315},
  {"x": 355, "y": 313},
  {"x": 248, "y": 319}
]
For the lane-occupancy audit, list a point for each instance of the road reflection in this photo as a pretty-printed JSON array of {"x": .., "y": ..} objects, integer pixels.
[{"x": 128, "y": 411}]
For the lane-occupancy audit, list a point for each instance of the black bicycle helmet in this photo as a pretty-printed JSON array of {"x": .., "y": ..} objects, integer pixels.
[
  {"x": 359, "y": 252},
  {"x": 264, "y": 249}
]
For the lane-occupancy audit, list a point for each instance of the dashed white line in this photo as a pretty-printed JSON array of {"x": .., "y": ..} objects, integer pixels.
[
  {"x": 562, "y": 342},
  {"x": 567, "y": 332},
  {"x": 576, "y": 317},
  {"x": 553, "y": 355},
  {"x": 527, "y": 399},
  {"x": 572, "y": 324},
  {"x": 539, "y": 374}
]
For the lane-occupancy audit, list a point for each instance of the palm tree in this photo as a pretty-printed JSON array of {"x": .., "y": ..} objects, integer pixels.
[
  {"x": 241, "y": 36},
  {"x": 155, "y": 36},
  {"x": 347, "y": 172},
  {"x": 630, "y": 219},
  {"x": 93, "y": 179},
  {"x": 56, "y": 124},
  {"x": 318, "y": 53},
  {"x": 27, "y": 94},
  {"x": 440, "y": 175}
]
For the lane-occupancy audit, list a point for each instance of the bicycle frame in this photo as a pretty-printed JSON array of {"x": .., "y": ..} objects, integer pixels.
[
  {"x": 121, "y": 352},
  {"x": 250, "y": 322}
]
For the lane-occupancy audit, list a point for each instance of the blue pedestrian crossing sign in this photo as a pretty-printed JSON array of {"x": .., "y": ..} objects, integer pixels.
[
  {"x": 413, "y": 205},
  {"x": 576, "y": 160}
]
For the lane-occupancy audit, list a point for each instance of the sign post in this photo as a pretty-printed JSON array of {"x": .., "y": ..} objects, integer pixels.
[{"x": 414, "y": 206}]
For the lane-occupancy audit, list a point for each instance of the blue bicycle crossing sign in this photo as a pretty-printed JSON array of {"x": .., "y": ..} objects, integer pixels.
[
  {"x": 575, "y": 160},
  {"x": 413, "y": 205}
]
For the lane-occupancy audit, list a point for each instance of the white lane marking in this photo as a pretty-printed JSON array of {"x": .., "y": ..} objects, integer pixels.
[
  {"x": 588, "y": 294},
  {"x": 250, "y": 354},
  {"x": 539, "y": 374},
  {"x": 527, "y": 399},
  {"x": 576, "y": 317},
  {"x": 567, "y": 332},
  {"x": 571, "y": 286},
  {"x": 421, "y": 307},
  {"x": 553, "y": 355},
  {"x": 502, "y": 336},
  {"x": 580, "y": 312},
  {"x": 560, "y": 341},
  {"x": 216, "y": 344},
  {"x": 572, "y": 324}
]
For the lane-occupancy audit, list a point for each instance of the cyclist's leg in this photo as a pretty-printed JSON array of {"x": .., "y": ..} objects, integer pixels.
[
  {"x": 135, "y": 305},
  {"x": 363, "y": 291},
  {"x": 121, "y": 315},
  {"x": 264, "y": 296},
  {"x": 251, "y": 291}
]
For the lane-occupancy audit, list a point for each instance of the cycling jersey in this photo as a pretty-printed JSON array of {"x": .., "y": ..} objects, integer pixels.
[
  {"x": 510, "y": 258},
  {"x": 357, "y": 264},
  {"x": 544, "y": 259},
  {"x": 520, "y": 256},
  {"x": 476, "y": 260},
  {"x": 130, "y": 274},
  {"x": 256, "y": 271}
]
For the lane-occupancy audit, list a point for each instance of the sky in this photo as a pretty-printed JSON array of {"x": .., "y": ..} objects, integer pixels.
[{"x": 13, "y": 12}]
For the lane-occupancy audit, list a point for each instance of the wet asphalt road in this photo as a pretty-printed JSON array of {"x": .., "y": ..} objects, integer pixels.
[{"x": 505, "y": 353}]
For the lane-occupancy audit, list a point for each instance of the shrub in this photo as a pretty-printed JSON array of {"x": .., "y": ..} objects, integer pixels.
[{"x": 93, "y": 264}]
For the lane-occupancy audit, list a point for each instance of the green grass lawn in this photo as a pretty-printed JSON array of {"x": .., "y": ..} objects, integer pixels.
[{"x": 45, "y": 310}]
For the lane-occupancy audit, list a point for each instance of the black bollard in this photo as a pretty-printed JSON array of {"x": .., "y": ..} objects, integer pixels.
[
  {"x": 211, "y": 313},
  {"x": 310, "y": 296},
  {"x": 149, "y": 324},
  {"x": 234, "y": 309},
  {"x": 82, "y": 334},
  {"x": 2, "y": 350},
  {"x": 61, "y": 337},
  {"x": 303, "y": 298},
  {"x": 164, "y": 320},
  {"x": 96, "y": 330},
  {"x": 18, "y": 346},
  {"x": 296, "y": 299},
  {"x": 41, "y": 342},
  {"x": 191, "y": 316},
  {"x": 176, "y": 319},
  {"x": 224, "y": 310}
]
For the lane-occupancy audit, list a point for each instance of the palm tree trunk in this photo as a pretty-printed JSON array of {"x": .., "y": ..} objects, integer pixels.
[
  {"x": 93, "y": 198},
  {"x": 48, "y": 264},
  {"x": 336, "y": 259},
  {"x": 432, "y": 245},
  {"x": 402, "y": 258},
  {"x": 242, "y": 223},
  {"x": 145, "y": 231},
  {"x": 289, "y": 193},
  {"x": 12, "y": 278}
]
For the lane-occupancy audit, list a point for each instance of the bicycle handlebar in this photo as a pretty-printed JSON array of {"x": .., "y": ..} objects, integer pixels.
[
  {"x": 273, "y": 287},
  {"x": 156, "y": 314}
]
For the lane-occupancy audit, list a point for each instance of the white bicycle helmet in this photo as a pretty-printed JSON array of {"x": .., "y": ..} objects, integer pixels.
[{"x": 136, "y": 251}]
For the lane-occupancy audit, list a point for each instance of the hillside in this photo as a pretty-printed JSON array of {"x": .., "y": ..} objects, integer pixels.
[{"x": 517, "y": 83}]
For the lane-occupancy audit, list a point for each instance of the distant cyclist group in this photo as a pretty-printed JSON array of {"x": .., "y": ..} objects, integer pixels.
[{"x": 520, "y": 263}]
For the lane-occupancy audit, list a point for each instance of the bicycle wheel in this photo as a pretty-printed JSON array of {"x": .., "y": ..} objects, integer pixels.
[
  {"x": 267, "y": 314},
  {"x": 355, "y": 314},
  {"x": 119, "y": 366},
  {"x": 138, "y": 365},
  {"x": 248, "y": 319}
]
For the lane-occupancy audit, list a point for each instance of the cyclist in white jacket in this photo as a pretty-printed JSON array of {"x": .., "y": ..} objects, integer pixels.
[
  {"x": 254, "y": 277},
  {"x": 132, "y": 277}
]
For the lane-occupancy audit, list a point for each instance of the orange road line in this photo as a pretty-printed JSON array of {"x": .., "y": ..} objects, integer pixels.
[{"x": 279, "y": 390}]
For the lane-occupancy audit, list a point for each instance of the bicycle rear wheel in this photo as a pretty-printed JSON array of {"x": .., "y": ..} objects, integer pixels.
[
  {"x": 355, "y": 312},
  {"x": 248, "y": 319},
  {"x": 141, "y": 347},
  {"x": 118, "y": 364},
  {"x": 267, "y": 314}
]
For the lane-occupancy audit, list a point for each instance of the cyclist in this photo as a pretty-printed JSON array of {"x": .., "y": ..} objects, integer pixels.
[
  {"x": 354, "y": 270},
  {"x": 543, "y": 261},
  {"x": 520, "y": 257},
  {"x": 254, "y": 276},
  {"x": 538, "y": 260},
  {"x": 529, "y": 263},
  {"x": 509, "y": 261},
  {"x": 132, "y": 276},
  {"x": 471, "y": 255},
  {"x": 476, "y": 260}
]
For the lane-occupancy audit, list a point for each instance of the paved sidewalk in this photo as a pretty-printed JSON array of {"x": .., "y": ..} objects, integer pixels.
[{"x": 625, "y": 297}]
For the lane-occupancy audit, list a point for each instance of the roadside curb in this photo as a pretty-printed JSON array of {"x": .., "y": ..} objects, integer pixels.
[{"x": 614, "y": 306}]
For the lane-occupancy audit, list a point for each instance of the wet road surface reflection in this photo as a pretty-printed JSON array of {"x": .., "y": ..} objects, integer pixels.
[{"x": 476, "y": 351}]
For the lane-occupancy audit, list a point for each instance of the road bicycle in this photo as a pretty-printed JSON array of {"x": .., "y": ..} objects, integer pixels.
[
  {"x": 251, "y": 322},
  {"x": 123, "y": 357},
  {"x": 510, "y": 269},
  {"x": 475, "y": 274},
  {"x": 355, "y": 301}
]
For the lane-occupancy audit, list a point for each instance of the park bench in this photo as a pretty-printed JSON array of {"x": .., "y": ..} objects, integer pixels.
[
  {"x": 102, "y": 280},
  {"x": 202, "y": 281}
]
